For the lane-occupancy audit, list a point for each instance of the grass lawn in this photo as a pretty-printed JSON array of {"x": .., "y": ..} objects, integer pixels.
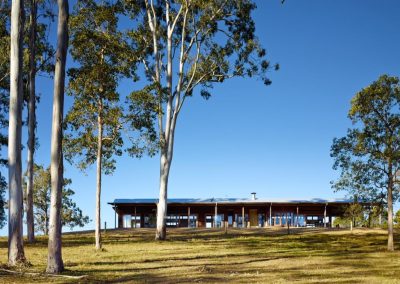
[{"x": 210, "y": 255}]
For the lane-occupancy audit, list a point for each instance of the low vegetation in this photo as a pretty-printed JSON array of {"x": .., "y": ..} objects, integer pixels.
[{"x": 211, "y": 255}]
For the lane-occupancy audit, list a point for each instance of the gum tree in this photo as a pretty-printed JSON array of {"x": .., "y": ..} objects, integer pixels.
[
  {"x": 15, "y": 238},
  {"x": 369, "y": 155},
  {"x": 190, "y": 45},
  {"x": 54, "y": 258},
  {"x": 40, "y": 55},
  {"x": 94, "y": 122},
  {"x": 4, "y": 98}
]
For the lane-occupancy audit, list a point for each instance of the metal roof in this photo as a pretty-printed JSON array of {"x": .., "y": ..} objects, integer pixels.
[{"x": 227, "y": 200}]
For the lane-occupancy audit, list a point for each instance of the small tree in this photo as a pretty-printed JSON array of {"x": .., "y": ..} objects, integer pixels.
[
  {"x": 397, "y": 219},
  {"x": 369, "y": 156},
  {"x": 71, "y": 214},
  {"x": 354, "y": 213}
]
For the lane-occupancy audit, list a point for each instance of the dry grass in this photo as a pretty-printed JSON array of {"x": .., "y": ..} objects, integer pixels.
[{"x": 205, "y": 255}]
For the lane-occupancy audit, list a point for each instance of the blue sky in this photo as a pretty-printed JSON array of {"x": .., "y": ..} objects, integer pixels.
[{"x": 272, "y": 140}]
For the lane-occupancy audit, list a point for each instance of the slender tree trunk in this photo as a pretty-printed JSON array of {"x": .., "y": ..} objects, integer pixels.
[
  {"x": 46, "y": 225},
  {"x": 390, "y": 209},
  {"x": 15, "y": 205},
  {"x": 98, "y": 189},
  {"x": 54, "y": 260},
  {"x": 167, "y": 141},
  {"x": 31, "y": 123}
]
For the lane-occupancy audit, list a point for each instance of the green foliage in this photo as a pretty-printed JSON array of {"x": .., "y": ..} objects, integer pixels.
[
  {"x": 44, "y": 56},
  {"x": 368, "y": 156},
  {"x": 103, "y": 57},
  {"x": 72, "y": 215},
  {"x": 397, "y": 218},
  {"x": 4, "y": 97},
  {"x": 140, "y": 116},
  {"x": 211, "y": 41},
  {"x": 341, "y": 222},
  {"x": 353, "y": 213},
  {"x": 44, "y": 49},
  {"x": 376, "y": 216},
  {"x": 4, "y": 73}
]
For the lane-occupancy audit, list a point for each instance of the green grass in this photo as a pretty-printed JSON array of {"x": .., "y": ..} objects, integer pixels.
[{"x": 205, "y": 255}]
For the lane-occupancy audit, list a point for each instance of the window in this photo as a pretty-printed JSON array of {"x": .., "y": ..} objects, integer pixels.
[{"x": 127, "y": 221}]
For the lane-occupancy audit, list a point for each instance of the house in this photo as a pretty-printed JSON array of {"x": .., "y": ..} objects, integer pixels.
[{"x": 231, "y": 212}]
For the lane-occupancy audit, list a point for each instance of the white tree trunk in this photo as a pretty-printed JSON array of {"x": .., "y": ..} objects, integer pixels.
[
  {"x": 390, "y": 215},
  {"x": 31, "y": 124},
  {"x": 98, "y": 179},
  {"x": 15, "y": 206},
  {"x": 54, "y": 260},
  {"x": 161, "y": 232}
]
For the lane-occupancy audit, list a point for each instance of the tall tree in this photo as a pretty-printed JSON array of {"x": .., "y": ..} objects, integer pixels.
[
  {"x": 94, "y": 121},
  {"x": 15, "y": 241},
  {"x": 4, "y": 99},
  {"x": 71, "y": 215},
  {"x": 31, "y": 120},
  {"x": 40, "y": 52},
  {"x": 369, "y": 156},
  {"x": 206, "y": 42},
  {"x": 54, "y": 260},
  {"x": 4, "y": 55}
]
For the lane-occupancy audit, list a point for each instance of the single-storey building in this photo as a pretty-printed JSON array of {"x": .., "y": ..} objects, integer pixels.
[{"x": 231, "y": 212}]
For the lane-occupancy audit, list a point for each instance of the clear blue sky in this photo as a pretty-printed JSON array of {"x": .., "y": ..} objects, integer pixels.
[{"x": 272, "y": 140}]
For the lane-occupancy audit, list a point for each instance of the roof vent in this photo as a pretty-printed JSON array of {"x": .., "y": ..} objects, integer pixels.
[{"x": 253, "y": 196}]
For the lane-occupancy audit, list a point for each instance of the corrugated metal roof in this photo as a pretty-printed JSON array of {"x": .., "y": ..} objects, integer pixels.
[{"x": 228, "y": 200}]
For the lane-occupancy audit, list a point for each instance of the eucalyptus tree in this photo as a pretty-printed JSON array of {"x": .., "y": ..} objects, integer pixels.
[
  {"x": 94, "y": 122},
  {"x": 369, "y": 155},
  {"x": 188, "y": 45},
  {"x": 4, "y": 98},
  {"x": 54, "y": 259},
  {"x": 15, "y": 238},
  {"x": 40, "y": 54}
]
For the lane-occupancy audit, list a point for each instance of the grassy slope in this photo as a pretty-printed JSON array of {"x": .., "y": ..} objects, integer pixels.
[{"x": 204, "y": 255}]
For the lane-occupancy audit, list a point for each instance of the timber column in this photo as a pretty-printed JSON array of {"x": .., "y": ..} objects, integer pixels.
[
  {"x": 215, "y": 215},
  {"x": 120, "y": 221},
  {"x": 188, "y": 217},
  {"x": 270, "y": 215},
  {"x": 243, "y": 221}
]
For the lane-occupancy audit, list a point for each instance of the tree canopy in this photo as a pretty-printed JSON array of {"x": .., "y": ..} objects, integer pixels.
[
  {"x": 189, "y": 45},
  {"x": 71, "y": 215},
  {"x": 368, "y": 157}
]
